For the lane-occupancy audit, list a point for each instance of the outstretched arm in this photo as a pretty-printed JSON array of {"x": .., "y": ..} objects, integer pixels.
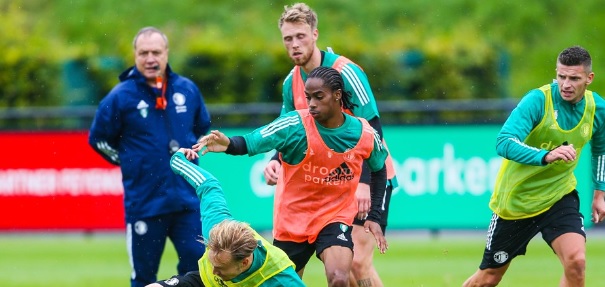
[
  {"x": 213, "y": 206},
  {"x": 215, "y": 141}
]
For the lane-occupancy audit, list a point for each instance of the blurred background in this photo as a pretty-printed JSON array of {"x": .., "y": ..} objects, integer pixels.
[
  {"x": 429, "y": 62},
  {"x": 445, "y": 74}
]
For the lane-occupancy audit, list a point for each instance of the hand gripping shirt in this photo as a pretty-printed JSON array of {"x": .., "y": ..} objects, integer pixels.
[
  {"x": 524, "y": 191},
  {"x": 356, "y": 83}
]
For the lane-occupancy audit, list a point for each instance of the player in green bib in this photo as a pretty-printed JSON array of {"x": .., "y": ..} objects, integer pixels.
[
  {"x": 535, "y": 191},
  {"x": 236, "y": 255}
]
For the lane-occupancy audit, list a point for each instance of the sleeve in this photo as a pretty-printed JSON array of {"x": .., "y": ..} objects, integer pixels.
[
  {"x": 190, "y": 279},
  {"x": 213, "y": 205},
  {"x": 237, "y": 146},
  {"x": 275, "y": 135},
  {"x": 202, "y": 119},
  {"x": 597, "y": 146},
  {"x": 378, "y": 156},
  {"x": 365, "y": 169},
  {"x": 106, "y": 128},
  {"x": 356, "y": 82},
  {"x": 377, "y": 189},
  {"x": 378, "y": 178},
  {"x": 522, "y": 120}
]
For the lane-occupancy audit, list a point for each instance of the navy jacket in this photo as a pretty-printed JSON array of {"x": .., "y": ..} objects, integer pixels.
[{"x": 130, "y": 132}]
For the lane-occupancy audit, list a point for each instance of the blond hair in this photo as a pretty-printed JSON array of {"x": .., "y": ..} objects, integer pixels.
[
  {"x": 298, "y": 13},
  {"x": 234, "y": 237}
]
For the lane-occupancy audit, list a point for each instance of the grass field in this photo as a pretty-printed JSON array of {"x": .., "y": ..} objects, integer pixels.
[{"x": 412, "y": 260}]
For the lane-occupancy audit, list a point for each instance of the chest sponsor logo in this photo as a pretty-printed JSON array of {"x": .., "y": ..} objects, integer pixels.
[{"x": 342, "y": 174}]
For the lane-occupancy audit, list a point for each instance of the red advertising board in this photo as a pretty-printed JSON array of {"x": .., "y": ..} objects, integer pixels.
[{"x": 56, "y": 181}]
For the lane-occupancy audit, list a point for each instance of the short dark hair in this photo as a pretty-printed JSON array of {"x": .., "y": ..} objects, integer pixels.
[{"x": 575, "y": 56}]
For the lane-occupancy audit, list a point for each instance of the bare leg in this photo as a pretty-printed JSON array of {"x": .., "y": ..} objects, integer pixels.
[
  {"x": 363, "y": 272},
  {"x": 571, "y": 250},
  {"x": 486, "y": 278},
  {"x": 337, "y": 262}
]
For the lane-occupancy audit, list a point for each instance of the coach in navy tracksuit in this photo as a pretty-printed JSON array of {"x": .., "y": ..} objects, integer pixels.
[{"x": 138, "y": 125}]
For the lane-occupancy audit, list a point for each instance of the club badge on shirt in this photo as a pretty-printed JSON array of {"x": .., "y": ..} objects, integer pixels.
[
  {"x": 179, "y": 101},
  {"x": 142, "y": 107}
]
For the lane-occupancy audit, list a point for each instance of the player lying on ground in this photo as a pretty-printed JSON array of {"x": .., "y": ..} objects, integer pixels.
[{"x": 236, "y": 255}]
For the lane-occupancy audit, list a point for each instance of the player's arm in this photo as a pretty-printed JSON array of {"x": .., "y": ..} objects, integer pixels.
[
  {"x": 190, "y": 279},
  {"x": 357, "y": 83},
  {"x": 365, "y": 172},
  {"x": 597, "y": 146},
  {"x": 105, "y": 129},
  {"x": 378, "y": 177},
  {"x": 274, "y": 135},
  {"x": 213, "y": 205},
  {"x": 363, "y": 194},
  {"x": 377, "y": 190},
  {"x": 522, "y": 120}
]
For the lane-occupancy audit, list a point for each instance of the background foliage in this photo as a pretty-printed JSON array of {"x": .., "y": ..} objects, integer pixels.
[{"x": 68, "y": 52}]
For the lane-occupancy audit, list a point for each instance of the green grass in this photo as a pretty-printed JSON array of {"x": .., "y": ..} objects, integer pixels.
[{"x": 412, "y": 260}]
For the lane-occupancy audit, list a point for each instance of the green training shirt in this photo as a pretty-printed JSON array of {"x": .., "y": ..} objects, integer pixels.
[
  {"x": 355, "y": 80},
  {"x": 528, "y": 114},
  {"x": 287, "y": 135}
]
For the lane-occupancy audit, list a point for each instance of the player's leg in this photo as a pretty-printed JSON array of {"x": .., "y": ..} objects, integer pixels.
[
  {"x": 506, "y": 239},
  {"x": 334, "y": 247},
  {"x": 299, "y": 253},
  {"x": 145, "y": 239},
  {"x": 564, "y": 232},
  {"x": 486, "y": 277},
  {"x": 363, "y": 271},
  {"x": 185, "y": 234},
  {"x": 571, "y": 250}
]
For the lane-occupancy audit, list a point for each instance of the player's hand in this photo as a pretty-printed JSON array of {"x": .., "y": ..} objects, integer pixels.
[
  {"x": 598, "y": 206},
  {"x": 189, "y": 153},
  {"x": 381, "y": 241},
  {"x": 565, "y": 153},
  {"x": 215, "y": 141},
  {"x": 363, "y": 200},
  {"x": 272, "y": 172}
]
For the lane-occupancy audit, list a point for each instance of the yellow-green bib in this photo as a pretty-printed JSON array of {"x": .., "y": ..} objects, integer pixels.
[
  {"x": 524, "y": 191},
  {"x": 276, "y": 261}
]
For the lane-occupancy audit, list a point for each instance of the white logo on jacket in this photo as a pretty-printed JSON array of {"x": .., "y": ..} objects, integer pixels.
[
  {"x": 179, "y": 101},
  {"x": 142, "y": 107}
]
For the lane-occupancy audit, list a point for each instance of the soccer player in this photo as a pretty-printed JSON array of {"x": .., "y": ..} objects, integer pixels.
[
  {"x": 322, "y": 150},
  {"x": 236, "y": 255},
  {"x": 536, "y": 189},
  {"x": 298, "y": 27}
]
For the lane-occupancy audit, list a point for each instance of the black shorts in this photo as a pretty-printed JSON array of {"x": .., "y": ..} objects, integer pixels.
[
  {"x": 507, "y": 239},
  {"x": 385, "y": 209},
  {"x": 334, "y": 234},
  {"x": 191, "y": 279}
]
